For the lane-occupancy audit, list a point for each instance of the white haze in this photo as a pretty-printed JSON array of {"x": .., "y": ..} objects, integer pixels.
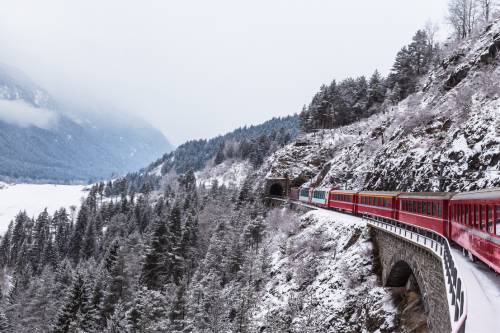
[
  {"x": 198, "y": 68},
  {"x": 20, "y": 113}
]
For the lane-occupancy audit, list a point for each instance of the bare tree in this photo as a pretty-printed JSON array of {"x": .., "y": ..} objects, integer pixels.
[
  {"x": 431, "y": 29},
  {"x": 463, "y": 16},
  {"x": 486, "y": 9}
]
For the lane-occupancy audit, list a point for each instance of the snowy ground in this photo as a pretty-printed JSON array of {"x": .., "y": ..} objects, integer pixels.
[
  {"x": 321, "y": 277},
  {"x": 229, "y": 173},
  {"x": 34, "y": 198},
  {"x": 483, "y": 295}
]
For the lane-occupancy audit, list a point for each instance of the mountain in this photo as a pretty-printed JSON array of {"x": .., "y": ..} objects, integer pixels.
[
  {"x": 444, "y": 135},
  {"x": 226, "y": 158},
  {"x": 43, "y": 140}
]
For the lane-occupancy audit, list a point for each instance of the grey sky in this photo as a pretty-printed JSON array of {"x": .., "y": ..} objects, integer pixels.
[{"x": 200, "y": 68}]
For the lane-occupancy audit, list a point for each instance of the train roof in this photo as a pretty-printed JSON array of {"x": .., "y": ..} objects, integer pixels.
[
  {"x": 328, "y": 189},
  {"x": 344, "y": 191},
  {"x": 427, "y": 195},
  {"x": 379, "y": 193},
  {"x": 487, "y": 194}
]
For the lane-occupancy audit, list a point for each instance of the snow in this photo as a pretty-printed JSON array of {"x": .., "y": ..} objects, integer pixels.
[
  {"x": 337, "y": 248},
  {"x": 229, "y": 173},
  {"x": 34, "y": 198},
  {"x": 483, "y": 295}
]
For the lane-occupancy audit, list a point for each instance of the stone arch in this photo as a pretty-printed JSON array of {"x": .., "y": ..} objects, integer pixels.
[
  {"x": 404, "y": 271},
  {"x": 396, "y": 255},
  {"x": 399, "y": 275},
  {"x": 276, "y": 190}
]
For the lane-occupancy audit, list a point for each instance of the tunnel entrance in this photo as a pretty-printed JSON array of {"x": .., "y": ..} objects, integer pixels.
[{"x": 276, "y": 190}]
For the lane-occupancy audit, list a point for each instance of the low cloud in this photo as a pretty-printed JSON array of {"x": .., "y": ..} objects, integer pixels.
[{"x": 20, "y": 113}]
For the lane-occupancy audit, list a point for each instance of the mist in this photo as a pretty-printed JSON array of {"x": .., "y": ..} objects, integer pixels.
[
  {"x": 196, "y": 69},
  {"x": 20, "y": 113}
]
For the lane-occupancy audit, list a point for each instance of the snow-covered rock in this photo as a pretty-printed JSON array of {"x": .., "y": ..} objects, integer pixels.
[{"x": 322, "y": 279}]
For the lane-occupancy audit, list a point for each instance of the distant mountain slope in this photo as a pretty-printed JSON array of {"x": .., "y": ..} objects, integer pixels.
[
  {"x": 237, "y": 152},
  {"x": 445, "y": 136},
  {"x": 40, "y": 142}
]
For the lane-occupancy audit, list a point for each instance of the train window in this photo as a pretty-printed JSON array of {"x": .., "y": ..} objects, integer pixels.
[
  {"x": 440, "y": 210},
  {"x": 467, "y": 215},
  {"x": 489, "y": 219},
  {"x": 484, "y": 217},
  {"x": 434, "y": 210},
  {"x": 424, "y": 208}
]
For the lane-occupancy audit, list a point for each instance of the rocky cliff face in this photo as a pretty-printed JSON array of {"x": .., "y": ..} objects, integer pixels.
[
  {"x": 321, "y": 278},
  {"x": 444, "y": 137}
]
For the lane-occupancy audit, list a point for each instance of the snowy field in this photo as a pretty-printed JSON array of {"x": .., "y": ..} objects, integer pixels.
[{"x": 34, "y": 198}]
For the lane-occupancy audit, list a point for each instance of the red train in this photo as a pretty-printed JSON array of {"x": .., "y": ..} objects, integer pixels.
[{"x": 471, "y": 219}]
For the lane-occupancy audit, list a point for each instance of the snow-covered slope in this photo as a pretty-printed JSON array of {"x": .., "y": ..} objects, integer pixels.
[
  {"x": 321, "y": 276},
  {"x": 230, "y": 173},
  {"x": 449, "y": 130},
  {"x": 34, "y": 198}
]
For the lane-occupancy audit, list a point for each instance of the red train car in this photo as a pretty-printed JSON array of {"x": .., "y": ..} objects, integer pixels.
[
  {"x": 380, "y": 204},
  {"x": 343, "y": 200},
  {"x": 475, "y": 224},
  {"x": 425, "y": 209}
]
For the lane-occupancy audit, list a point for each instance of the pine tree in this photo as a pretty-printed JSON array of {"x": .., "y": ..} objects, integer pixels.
[
  {"x": 77, "y": 312},
  {"x": 219, "y": 157},
  {"x": 178, "y": 310},
  {"x": 5, "y": 246},
  {"x": 156, "y": 265},
  {"x": 18, "y": 236},
  {"x": 376, "y": 89},
  {"x": 62, "y": 234},
  {"x": 89, "y": 242},
  {"x": 40, "y": 237},
  {"x": 175, "y": 233},
  {"x": 75, "y": 245},
  {"x": 115, "y": 279},
  {"x": 118, "y": 322}
]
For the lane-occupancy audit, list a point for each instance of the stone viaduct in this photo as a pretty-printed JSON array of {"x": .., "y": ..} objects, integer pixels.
[
  {"x": 404, "y": 263},
  {"x": 407, "y": 262}
]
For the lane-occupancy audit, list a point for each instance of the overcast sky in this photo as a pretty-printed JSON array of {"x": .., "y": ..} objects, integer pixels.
[{"x": 196, "y": 69}]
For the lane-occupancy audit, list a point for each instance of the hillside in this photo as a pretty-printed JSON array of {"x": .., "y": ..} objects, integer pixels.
[
  {"x": 41, "y": 140},
  {"x": 227, "y": 158},
  {"x": 445, "y": 136}
]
